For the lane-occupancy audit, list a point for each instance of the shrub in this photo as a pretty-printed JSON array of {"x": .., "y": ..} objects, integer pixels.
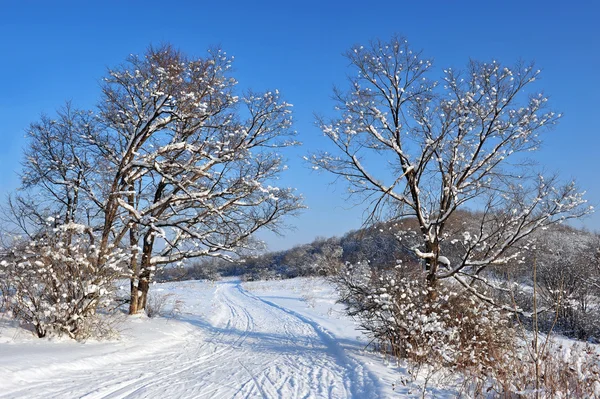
[
  {"x": 566, "y": 371},
  {"x": 163, "y": 305},
  {"x": 397, "y": 309},
  {"x": 55, "y": 284},
  {"x": 450, "y": 331}
]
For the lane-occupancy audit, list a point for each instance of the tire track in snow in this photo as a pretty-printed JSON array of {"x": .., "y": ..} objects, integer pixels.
[
  {"x": 248, "y": 348},
  {"x": 355, "y": 370}
]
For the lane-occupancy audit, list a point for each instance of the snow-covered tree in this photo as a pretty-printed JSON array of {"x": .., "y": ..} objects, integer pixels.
[
  {"x": 192, "y": 165},
  {"x": 416, "y": 147}
]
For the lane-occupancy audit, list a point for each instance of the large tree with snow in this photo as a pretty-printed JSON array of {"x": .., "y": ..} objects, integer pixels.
[
  {"x": 413, "y": 146},
  {"x": 191, "y": 167},
  {"x": 175, "y": 165}
]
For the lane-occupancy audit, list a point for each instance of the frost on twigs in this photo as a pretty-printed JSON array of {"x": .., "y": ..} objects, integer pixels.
[{"x": 54, "y": 284}]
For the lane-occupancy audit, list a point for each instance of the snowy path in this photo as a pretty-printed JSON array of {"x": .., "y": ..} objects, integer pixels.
[{"x": 239, "y": 346}]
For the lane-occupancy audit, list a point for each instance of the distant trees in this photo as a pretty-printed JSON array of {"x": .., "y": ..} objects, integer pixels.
[
  {"x": 417, "y": 147},
  {"x": 568, "y": 271}
]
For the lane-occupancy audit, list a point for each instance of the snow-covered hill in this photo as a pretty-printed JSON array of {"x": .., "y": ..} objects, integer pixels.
[{"x": 279, "y": 339}]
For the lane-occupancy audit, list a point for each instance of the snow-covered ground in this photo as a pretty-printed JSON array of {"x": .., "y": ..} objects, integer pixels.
[{"x": 276, "y": 339}]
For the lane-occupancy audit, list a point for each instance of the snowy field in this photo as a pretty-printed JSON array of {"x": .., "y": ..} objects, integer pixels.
[{"x": 279, "y": 339}]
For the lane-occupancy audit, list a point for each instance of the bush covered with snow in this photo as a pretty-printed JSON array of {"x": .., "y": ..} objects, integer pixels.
[
  {"x": 449, "y": 331},
  {"x": 55, "y": 283},
  {"x": 564, "y": 371},
  {"x": 405, "y": 315}
]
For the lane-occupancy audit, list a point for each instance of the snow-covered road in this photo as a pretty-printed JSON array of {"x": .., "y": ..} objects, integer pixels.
[{"x": 226, "y": 343}]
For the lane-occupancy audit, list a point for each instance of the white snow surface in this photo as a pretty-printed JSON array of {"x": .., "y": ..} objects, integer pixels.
[{"x": 276, "y": 339}]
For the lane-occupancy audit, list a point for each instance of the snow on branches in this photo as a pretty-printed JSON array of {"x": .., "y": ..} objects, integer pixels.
[
  {"x": 192, "y": 165},
  {"x": 446, "y": 144},
  {"x": 54, "y": 282},
  {"x": 174, "y": 165}
]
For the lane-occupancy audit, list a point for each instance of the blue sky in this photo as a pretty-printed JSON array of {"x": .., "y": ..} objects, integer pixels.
[{"x": 57, "y": 51}]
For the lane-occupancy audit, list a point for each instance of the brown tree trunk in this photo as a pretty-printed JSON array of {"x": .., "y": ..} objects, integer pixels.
[
  {"x": 133, "y": 264},
  {"x": 134, "y": 279},
  {"x": 143, "y": 288},
  {"x": 431, "y": 268},
  {"x": 133, "y": 298},
  {"x": 145, "y": 273},
  {"x": 432, "y": 285}
]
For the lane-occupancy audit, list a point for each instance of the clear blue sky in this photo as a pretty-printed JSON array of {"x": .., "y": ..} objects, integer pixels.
[{"x": 52, "y": 51}]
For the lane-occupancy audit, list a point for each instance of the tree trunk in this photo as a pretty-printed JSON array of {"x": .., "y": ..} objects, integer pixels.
[
  {"x": 431, "y": 267},
  {"x": 140, "y": 285},
  {"x": 432, "y": 285},
  {"x": 139, "y": 293},
  {"x": 143, "y": 288},
  {"x": 134, "y": 268},
  {"x": 133, "y": 298}
]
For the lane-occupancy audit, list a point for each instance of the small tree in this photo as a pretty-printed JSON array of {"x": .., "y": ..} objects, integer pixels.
[
  {"x": 59, "y": 168},
  {"x": 421, "y": 148}
]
